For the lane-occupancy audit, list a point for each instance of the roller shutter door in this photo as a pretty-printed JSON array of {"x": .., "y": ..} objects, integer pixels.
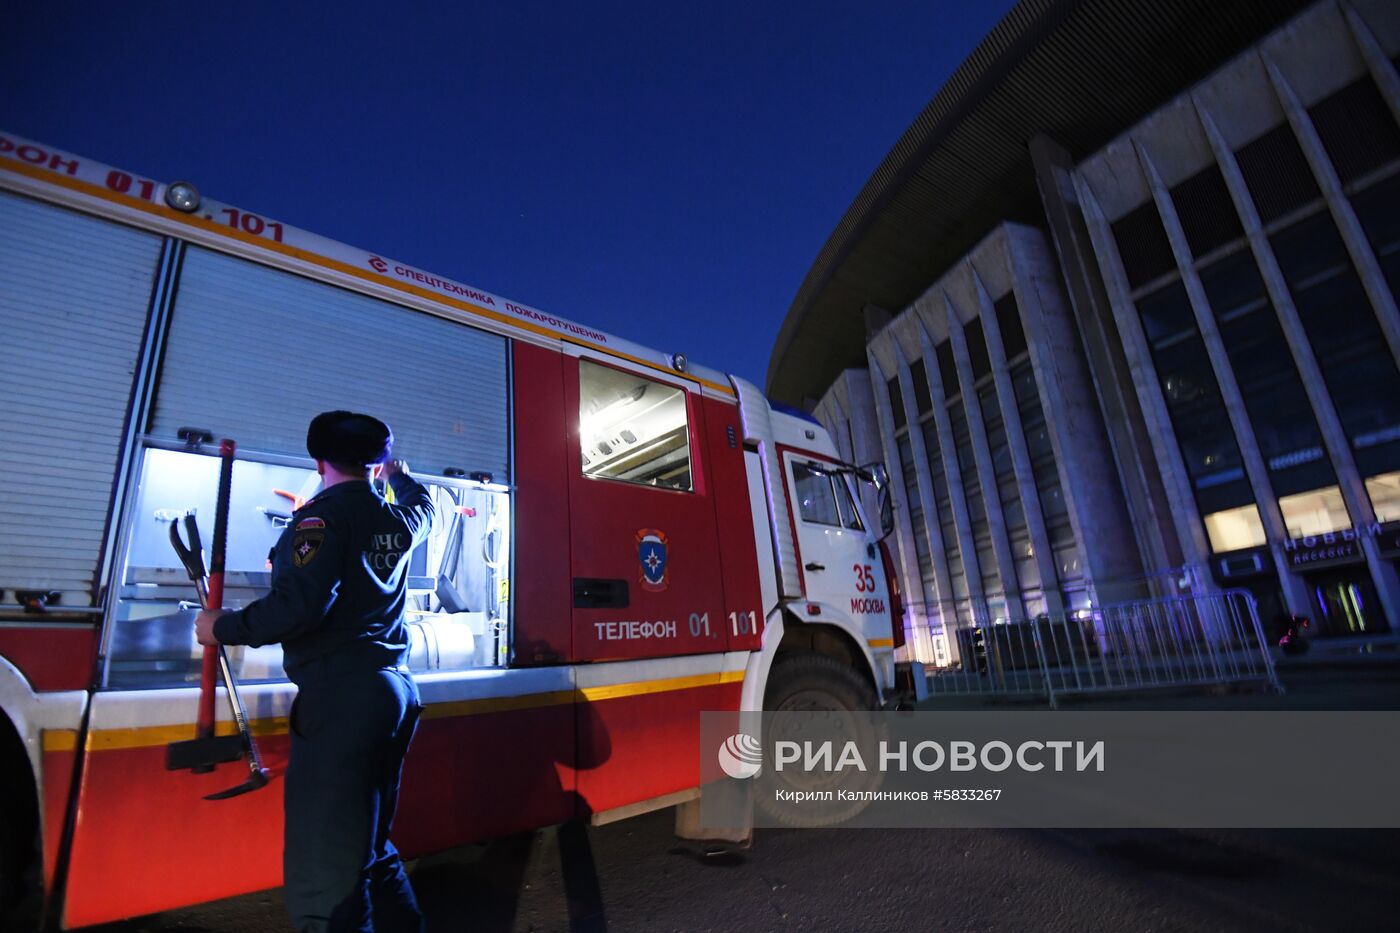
[
  {"x": 254, "y": 353},
  {"x": 74, "y": 297}
]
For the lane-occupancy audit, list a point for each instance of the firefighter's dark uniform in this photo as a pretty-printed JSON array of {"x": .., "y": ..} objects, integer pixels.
[{"x": 336, "y": 605}]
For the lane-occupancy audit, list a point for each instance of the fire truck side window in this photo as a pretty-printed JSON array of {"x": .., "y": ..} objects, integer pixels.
[
  {"x": 816, "y": 500},
  {"x": 458, "y": 579},
  {"x": 850, "y": 517},
  {"x": 632, "y": 428}
]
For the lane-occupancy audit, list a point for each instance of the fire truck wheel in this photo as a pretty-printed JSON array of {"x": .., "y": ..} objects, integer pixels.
[
  {"x": 20, "y": 886},
  {"x": 829, "y": 700}
]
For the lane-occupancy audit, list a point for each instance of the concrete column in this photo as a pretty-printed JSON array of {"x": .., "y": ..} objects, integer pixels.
[
  {"x": 942, "y": 598},
  {"x": 1103, "y": 534},
  {"x": 905, "y": 556},
  {"x": 1359, "y": 248},
  {"x": 1295, "y": 596},
  {"x": 1353, "y": 488},
  {"x": 833, "y": 411},
  {"x": 838, "y": 428},
  {"x": 1020, "y": 454},
  {"x": 865, "y": 429},
  {"x": 1147, "y": 506},
  {"x": 1190, "y": 530},
  {"x": 982, "y": 457},
  {"x": 1377, "y": 62},
  {"x": 952, "y": 474}
]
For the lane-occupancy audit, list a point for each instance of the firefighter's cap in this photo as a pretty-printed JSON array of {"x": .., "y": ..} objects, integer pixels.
[{"x": 349, "y": 437}]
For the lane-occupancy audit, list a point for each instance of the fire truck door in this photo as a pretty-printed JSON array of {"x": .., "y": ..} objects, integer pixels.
[
  {"x": 839, "y": 565},
  {"x": 645, "y": 552},
  {"x": 647, "y": 583}
]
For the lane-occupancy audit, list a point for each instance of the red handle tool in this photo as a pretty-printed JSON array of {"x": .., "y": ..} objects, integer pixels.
[
  {"x": 209, "y": 666},
  {"x": 206, "y": 749}
]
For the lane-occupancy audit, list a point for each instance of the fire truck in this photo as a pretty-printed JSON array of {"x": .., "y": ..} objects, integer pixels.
[{"x": 625, "y": 539}]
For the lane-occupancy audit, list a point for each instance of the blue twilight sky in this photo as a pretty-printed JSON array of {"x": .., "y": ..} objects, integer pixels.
[{"x": 666, "y": 172}]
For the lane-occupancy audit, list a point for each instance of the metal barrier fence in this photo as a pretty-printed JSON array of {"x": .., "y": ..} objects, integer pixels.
[{"x": 1152, "y": 643}]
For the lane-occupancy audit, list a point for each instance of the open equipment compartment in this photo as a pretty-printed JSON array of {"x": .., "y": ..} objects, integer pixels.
[{"x": 458, "y": 579}]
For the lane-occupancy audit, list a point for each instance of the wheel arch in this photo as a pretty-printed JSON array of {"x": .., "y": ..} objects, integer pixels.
[
  {"x": 785, "y": 633},
  {"x": 830, "y": 640},
  {"x": 18, "y": 703},
  {"x": 18, "y": 774},
  {"x": 25, "y": 715},
  {"x": 21, "y": 835}
]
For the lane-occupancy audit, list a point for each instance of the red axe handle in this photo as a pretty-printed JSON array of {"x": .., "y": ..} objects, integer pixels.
[{"x": 209, "y": 668}]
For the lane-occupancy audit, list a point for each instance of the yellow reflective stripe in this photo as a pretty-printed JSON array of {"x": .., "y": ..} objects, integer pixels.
[
  {"x": 881, "y": 643},
  {"x": 146, "y": 736},
  {"x": 497, "y": 704},
  {"x": 143, "y": 736},
  {"x": 59, "y": 740},
  {"x": 613, "y": 691},
  {"x": 219, "y": 229}
]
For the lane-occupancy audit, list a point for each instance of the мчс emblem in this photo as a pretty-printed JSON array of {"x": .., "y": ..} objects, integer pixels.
[
  {"x": 651, "y": 552},
  {"x": 305, "y": 545}
]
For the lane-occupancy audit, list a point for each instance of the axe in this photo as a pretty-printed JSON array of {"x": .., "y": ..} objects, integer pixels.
[{"x": 206, "y": 750}]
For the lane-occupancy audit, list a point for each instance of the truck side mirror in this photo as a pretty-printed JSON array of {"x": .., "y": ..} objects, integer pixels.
[
  {"x": 878, "y": 476},
  {"x": 886, "y": 513}
]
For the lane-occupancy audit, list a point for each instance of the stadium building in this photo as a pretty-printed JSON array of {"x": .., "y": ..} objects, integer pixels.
[{"x": 1119, "y": 310}]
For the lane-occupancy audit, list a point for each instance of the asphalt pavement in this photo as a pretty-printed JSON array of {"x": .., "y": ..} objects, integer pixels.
[
  {"x": 887, "y": 880},
  {"x": 635, "y": 876}
]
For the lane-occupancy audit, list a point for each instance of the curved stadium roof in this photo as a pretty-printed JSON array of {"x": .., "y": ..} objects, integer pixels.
[{"x": 1080, "y": 71}]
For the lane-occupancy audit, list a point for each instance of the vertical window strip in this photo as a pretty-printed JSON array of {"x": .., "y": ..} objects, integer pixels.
[
  {"x": 1200, "y": 422},
  {"x": 1341, "y": 326},
  {"x": 1044, "y": 470}
]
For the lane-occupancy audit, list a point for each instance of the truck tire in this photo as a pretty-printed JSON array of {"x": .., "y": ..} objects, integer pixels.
[
  {"x": 21, "y": 894},
  {"x": 807, "y": 682}
]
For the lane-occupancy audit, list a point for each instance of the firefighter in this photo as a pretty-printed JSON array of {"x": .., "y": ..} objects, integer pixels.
[{"x": 336, "y": 605}]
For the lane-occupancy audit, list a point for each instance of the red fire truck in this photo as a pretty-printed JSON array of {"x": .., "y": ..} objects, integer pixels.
[{"x": 626, "y": 539}]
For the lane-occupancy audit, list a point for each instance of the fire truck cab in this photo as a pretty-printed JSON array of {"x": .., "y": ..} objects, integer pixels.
[{"x": 624, "y": 539}]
